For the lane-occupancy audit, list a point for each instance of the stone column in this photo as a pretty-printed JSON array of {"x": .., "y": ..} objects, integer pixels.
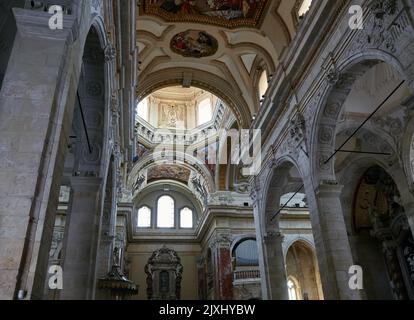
[
  {"x": 82, "y": 237},
  {"x": 332, "y": 244},
  {"x": 223, "y": 274},
  {"x": 275, "y": 271},
  {"x": 30, "y": 99}
]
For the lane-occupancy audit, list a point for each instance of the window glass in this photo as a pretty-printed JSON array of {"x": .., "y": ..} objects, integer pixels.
[
  {"x": 144, "y": 217},
  {"x": 293, "y": 295},
  {"x": 143, "y": 109},
  {"x": 204, "y": 112},
  {"x": 165, "y": 212},
  {"x": 263, "y": 84},
  {"x": 304, "y": 8},
  {"x": 186, "y": 218}
]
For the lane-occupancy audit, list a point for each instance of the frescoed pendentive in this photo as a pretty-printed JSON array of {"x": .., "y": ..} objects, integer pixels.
[{"x": 194, "y": 43}]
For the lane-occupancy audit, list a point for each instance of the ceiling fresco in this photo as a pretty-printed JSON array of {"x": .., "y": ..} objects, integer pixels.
[
  {"x": 168, "y": 172},
  {"x": 193, "y": 43},
  {"x": 225, "y": 13}
]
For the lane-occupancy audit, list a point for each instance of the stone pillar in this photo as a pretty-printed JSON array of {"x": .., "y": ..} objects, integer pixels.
[
  {"x": 275, "y": 271},
  {"x": 223, "y": 274},
  {"x": 82, "y": 239},
  {"x": 332, "y": 244},
  {"x": 29, "y": 114}
]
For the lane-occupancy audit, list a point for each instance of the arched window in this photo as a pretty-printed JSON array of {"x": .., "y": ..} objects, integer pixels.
[
  {"x": 304, "y": 8},
  {"x": 165, "y": 212},
  {"x": 263, "y": 84},
  {"x": 246, "y": 254},
  {"x": 186, "y": 218},
  {"x": 293, "y": 289},
  {"x": 143, "y": 109},
  {"x": 144, "y": 217},
  {"x": 204, "y": 112}
]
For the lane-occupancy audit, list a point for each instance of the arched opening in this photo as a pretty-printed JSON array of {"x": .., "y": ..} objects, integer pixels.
[
  {"x": 263, "y": 85},
  {"x": 91, "y": 204},
  {"x": 369, "y": 84},
  {"x": 293, "y": 289},
  {"x": 287, "y": 215},
  {"x": 304, "y": 281},
  {"x": 178, "y": 108},
  {"x": 382, "y": 240},
  {"x": 245, "y": 254},
  {"x": 165, "y": 212},
  {"x": 186, "y": 218},
  {"x": 144, "y": 217},
  {"x": 349, "y": 105},
  {"x": 246, "y": 272}
]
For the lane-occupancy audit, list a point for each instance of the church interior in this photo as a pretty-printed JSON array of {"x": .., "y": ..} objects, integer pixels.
[{"x": 207, "y": 150}]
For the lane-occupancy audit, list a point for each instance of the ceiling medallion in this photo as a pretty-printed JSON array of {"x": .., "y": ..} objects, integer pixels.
[
  {"x": 224, "y": 13},
  {"x": 194, "y": 43}
]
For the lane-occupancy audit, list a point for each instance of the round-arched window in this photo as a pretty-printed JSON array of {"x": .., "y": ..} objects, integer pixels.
[
  {"x": 144, "y": 217},
  {"x": 165, "y": 212},
  {"x": 186, "y": 218}
]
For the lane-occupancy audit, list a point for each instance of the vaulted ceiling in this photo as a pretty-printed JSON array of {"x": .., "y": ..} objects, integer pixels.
[{"x": 221, "y": 46}]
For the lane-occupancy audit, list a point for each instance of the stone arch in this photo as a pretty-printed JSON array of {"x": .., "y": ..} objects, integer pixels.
[
  {"x": 239, "y": 239},
  {"x": 188, "y": 161},
  {"x": 352, "y": 173},
  {"x": 174, "y": 187},
  {"x": 278, "y": 171},
  {"x": 301, "y": 263},
  {"x": 305, "y": 241},
  {"x": 87, "y": 164},
  {"x": 61, "y": 120},
  {"x": 203, "y": 80},
  {"x": 339, "y": 86}
]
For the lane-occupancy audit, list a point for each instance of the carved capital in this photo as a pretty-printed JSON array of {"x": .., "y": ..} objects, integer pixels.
[{"x": 220, "y": 240}]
